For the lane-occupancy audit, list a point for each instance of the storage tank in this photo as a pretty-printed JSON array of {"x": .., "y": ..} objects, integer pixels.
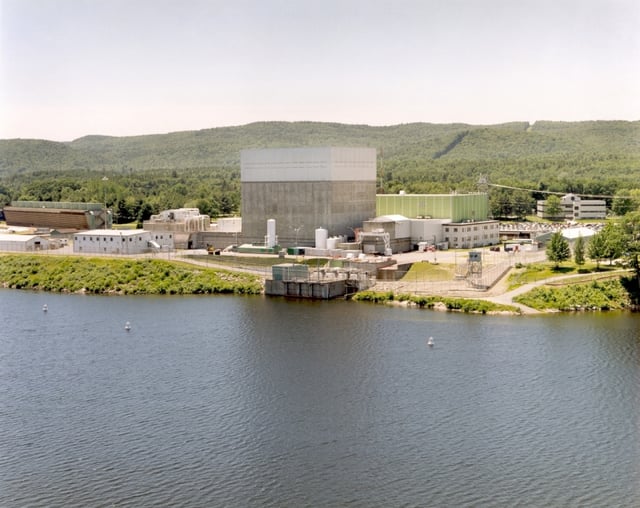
[
  {"x": 332, "y": 243},
  {"x": 271, "y": 233},
  {"x": 321, "y": 238}
]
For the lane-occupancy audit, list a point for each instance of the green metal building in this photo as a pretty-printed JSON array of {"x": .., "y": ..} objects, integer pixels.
[{"x": 457, "y": 207}]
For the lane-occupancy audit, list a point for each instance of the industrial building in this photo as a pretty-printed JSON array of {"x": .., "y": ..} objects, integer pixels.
[
  {"x": 454, "y": 207},
  {"x": 111, "y": 241},
  {"x": 438, "y": 220},
  {"x": 302, "y": 189},
  {"x": 175, "y": 228},
  {"x": 14, "y": 242},
  {"x": 56, "y": 215},
  {"x": 574, "y": 208}
]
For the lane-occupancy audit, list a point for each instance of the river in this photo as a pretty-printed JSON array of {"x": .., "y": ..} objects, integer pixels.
[{"x": 255, "y": 401}]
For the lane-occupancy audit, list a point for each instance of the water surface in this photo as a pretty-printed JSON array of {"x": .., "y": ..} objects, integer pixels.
[{"x": 232, "y": 401}]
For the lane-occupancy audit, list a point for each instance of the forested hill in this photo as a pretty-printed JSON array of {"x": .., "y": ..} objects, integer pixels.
[{"x": 408, "y": 145}]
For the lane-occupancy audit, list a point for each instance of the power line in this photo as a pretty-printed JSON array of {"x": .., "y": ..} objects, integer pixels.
[{"x": 557, "y": 193}]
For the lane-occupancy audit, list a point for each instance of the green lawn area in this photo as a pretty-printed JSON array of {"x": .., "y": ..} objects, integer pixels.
[
  {"x": 424, "y": 271},
  {"x": 541, "y": 271}
]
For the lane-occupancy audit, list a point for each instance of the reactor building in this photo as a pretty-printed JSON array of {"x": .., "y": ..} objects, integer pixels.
[{"x": 302, "y": 189}]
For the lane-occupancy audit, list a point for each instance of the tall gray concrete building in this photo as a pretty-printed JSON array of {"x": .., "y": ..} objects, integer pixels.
[{"x": 303, "y": 189}]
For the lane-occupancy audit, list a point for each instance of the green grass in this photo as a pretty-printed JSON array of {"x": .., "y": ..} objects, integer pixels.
[
  {"x": 120, "y": 276},
  {"x": 541, "y": 271},
  {"x": 466, "y": 305},
  {"x": 430, "y": 272},
  {"x": 595, "y": 295}
]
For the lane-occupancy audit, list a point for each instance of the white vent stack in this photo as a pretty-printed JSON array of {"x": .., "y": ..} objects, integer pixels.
[
  {"x": 321, "y": 238},
  {"x": 272, "y": 239}
]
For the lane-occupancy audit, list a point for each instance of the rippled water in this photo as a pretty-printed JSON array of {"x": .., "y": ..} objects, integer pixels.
[{"x": 231, "y": 401}]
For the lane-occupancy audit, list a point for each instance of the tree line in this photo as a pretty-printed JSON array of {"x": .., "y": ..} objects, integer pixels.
[{"x": 132, "y": 197}]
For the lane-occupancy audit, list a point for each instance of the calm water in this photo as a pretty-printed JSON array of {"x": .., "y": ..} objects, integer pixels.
[{"x": 231, "y": 401}]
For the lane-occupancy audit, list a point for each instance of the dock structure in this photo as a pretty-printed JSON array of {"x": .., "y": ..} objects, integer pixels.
[{"x": 297, "y": 281}]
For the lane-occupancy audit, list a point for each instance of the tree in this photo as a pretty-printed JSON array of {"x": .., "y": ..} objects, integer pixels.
[
  {"x": 614, "y": 241},
  {"x": 578, "y": 251},
  {"x": 553, "y": 207},
  {"x": 596, "y": 250},
  {"x": 626, "y": 201},
  {"x": 558, "y": 249},
  {"x": 622, "y": 202}
]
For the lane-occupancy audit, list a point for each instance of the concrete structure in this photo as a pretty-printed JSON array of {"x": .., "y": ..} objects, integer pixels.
[
  {"x": 303, "y": 189},
  {"x": 386, "y": 234},
  {"x": 220, "y": 235},
  {"x": 295, "y": 280},
  {"x": 429, "y": 231},
  {"x": 455, "y": 207},
  {"x": 175, "y": 228},
  {"x": 110, "y": 241},
  {"x": 574, "y": 208},
  {"x": 56, "y": 215},
  {"x": 13, "y": 242}
]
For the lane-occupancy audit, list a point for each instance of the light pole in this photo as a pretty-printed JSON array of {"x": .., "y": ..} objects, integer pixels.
[
  {"x": 105, "y": 180},
  {"x": 297, "y": 230},
  {"x": 435, "y": 249}
]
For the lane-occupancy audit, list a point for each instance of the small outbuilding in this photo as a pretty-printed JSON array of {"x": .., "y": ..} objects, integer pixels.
[{"x": 13, "y": 242}]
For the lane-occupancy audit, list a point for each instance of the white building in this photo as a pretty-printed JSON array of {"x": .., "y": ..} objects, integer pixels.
[
  {"x": 574, "y": 207},
  {"x": 112, "y": 241},
  {"x": 468, "y": 235},
  {"x": 22, "y": 243}
]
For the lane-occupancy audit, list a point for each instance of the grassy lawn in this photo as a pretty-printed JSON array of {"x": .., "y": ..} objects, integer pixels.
[
  {"x": 430, "y": 272},
  {"x": 541, "y": 271}
]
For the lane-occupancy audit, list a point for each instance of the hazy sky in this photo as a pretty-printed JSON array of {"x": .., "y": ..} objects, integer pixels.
[{"x": 69, "y": 68}]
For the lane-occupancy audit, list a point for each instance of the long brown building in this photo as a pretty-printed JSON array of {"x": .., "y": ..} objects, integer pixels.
[{"x": 53, "y": 215}]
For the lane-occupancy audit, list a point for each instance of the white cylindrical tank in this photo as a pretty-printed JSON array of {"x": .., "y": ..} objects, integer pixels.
[
  {"x": 321, "y": 238},
  {"x": 271, "y": 233},
  {"x": 332, "y": 243}
]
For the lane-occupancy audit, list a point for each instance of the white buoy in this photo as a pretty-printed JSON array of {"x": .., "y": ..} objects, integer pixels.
[
  {"x": 45, "y": 308},
  {"x": 430, "y": 342},
  {"x": 127, "y": 326}
]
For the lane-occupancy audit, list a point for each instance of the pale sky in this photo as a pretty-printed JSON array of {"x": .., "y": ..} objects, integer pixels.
[{"x": 70, "y": 68}]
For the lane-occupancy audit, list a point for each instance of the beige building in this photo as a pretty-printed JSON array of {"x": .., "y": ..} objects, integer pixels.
[{"x": 574, "y": 208}]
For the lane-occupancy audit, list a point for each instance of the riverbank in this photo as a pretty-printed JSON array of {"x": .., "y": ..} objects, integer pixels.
[
  {"x": 80, "y": 274},
  {"x": 182, "y": 275}
]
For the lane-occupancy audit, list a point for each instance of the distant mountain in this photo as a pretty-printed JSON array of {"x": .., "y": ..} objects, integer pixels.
[{"x": 418, "y": 145}]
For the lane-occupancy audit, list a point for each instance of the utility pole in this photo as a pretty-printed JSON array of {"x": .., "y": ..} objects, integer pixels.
[{"x": 105, "y": 180}]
